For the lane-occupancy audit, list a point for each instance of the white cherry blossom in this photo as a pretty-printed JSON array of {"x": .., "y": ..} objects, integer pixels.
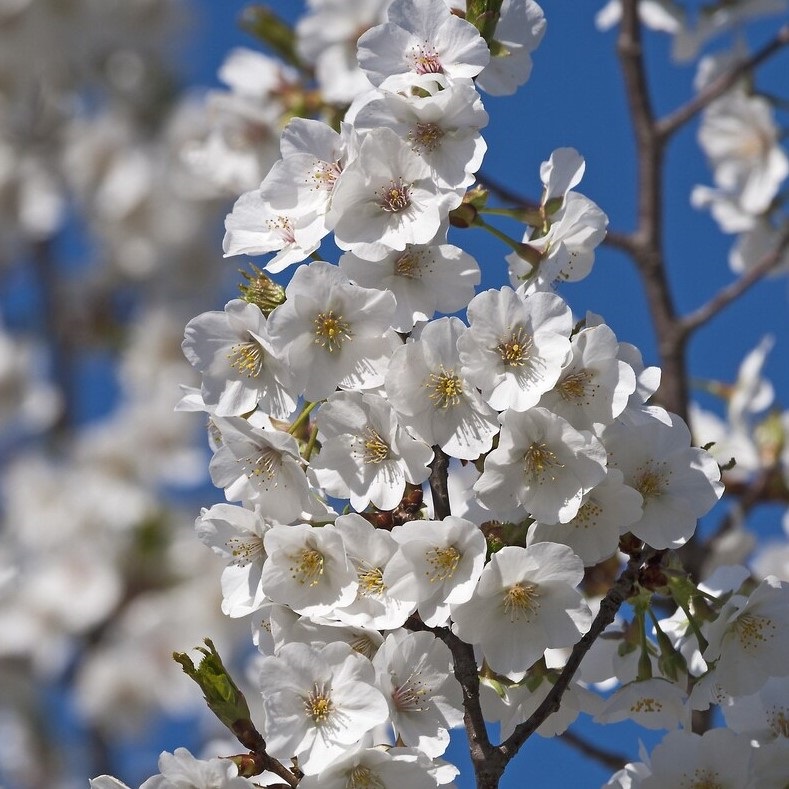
[
  {"x": 421, "y": 37},
  {"x": 424, "y": 278},
  {"x": 425, "y": 384},
  {"x": 318, "y": 702},
  {"x": 333, "y": 333},
  {"x": 525, "y": 602},
  {"x": 440, "y": 560},
  {"x": 240, "y": 367},
  {"x": 387, "y": 198},
  {"x": 542, "y": 467}
]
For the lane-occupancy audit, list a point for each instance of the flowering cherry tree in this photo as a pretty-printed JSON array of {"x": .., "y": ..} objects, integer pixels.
[{"x": 447, "y": 505}]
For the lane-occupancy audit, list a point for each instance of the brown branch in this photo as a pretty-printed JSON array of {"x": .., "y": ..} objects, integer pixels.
[
  {"x": 613, "y": 761},
  {"x": 671, "y": 123},
  {"x": 727, "y": 295},
  {"x": 647, "y": 240},
  {"x": 439, "y": 469},
  {"x": 488, "y": 761},
  {"x": 609, "y": 606}
]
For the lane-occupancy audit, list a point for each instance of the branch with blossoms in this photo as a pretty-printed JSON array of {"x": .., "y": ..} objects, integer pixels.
[{"x": 417, "y": 501}]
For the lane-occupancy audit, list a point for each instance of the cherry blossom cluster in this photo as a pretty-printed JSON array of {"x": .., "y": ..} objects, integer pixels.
[{"x": 398, "y": 483}]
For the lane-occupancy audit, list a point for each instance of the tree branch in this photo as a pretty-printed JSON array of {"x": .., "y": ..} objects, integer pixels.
[
  {"x": 488, "y": 761},
  {"x": 725, "y": 297},
  {"x": 613, "y": 761},
  {"x": 438, "y": 484},
  {"x": 647, "y": 241},
  {"x": 609, "y": 606},
  {"x": 671, "y": 123}
]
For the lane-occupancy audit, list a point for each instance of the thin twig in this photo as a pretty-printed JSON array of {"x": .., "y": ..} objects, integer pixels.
[
  {"x": 727, "y": 295},
  {"x": 647, "y": 241},
  {"x": 671, "y": 123},
  {"x": 614, "y": 761}
]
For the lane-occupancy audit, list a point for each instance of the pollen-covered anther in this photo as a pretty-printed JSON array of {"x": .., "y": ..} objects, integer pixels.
[
  {"x": 575, "y": 386},
  {"x": 424, "y": 60},
  {"x": 587, "y": 516},
  {"x": 539, "y": 461},
  {"x": 407, "y": 265},
  {"x": 426, "y": 137},
  {"x": 395, "y": 196},
  {"x": 376, "y": 450},
  {"x": 446, "y": 388},
  {"x": 324, "y": 175},
  {"x": 753, "y": 631},
  {"x": 778, "y": 720},
  {"x": 364, "y": 645},
  {"x": 284, "y": 227},
  {"x": 307, "y": 567},
  {"x": 647, "y": 704},
  {"x": 516, "y": 351},
  {"x": 362, "y": 777},
  {"x": 521, "y": 600},
  {"x": 442, "y": 563},
  {"x": 246, "y": 551},
  {"x": 266, "y": 464},
  {"x": 651, "y": 480},
  {"x": 247, "y": 358},
  {"x": 331, "y": 330},
  {"x": 409, "y": 696},
  {"x": 702, "y": 779},
  {"x": 318, "y": 704},
  {"x": 371, "y": 582}
]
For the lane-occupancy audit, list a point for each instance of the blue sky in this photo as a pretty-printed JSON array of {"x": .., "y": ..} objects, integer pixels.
[{"x": 575, "y": 98}]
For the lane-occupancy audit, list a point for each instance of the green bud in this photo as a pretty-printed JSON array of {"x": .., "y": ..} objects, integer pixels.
[
  {"x": 222, "y": 695},
  {"x": 261, "y": 290},
  {"x": 484, "y": 15}
]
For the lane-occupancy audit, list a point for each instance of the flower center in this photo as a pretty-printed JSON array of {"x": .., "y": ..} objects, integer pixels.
[
  {"x": 651, "y": 480},
  {"x": 443, "y": 562},
  {"x": 325, "y": 174},
  {"x": 646, "y": 704},
  {"x": 307, "y": 567},
  {"x": 283, "y": 227},
  {"x": 516, "y": 351},
  {"x": 395, "y": 197},
  {"x": 702, "y": 779},
  {"x": 446, "y": 388},
  {"x": 521, "y": 599},
  {"x": 371, "y": 582},
  {"x": 331, "y": 330},
  {"x": 364, "y": 645},
  {"x": 408, "y": 696},
  {"x": 753, "y": 631},
  {"x": 424, "y": 60},
  {"x": 407, "y": 265},
  {"x": 247, "y": 358},
  {"x": 318, "y": 704},
  {"x": 588, "y": 514},
  {"x": 575, "y": 386},
  {"x": 266, "y": 464},
  {"x": 362, "y": 777},
  {"x": 540, "y": 460},
  {"x": 376, "y": 450},
  {"x": 778, "y": 721},
  {"x": 245, "y": 552},
  {"x": 426, "y": 137}
]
